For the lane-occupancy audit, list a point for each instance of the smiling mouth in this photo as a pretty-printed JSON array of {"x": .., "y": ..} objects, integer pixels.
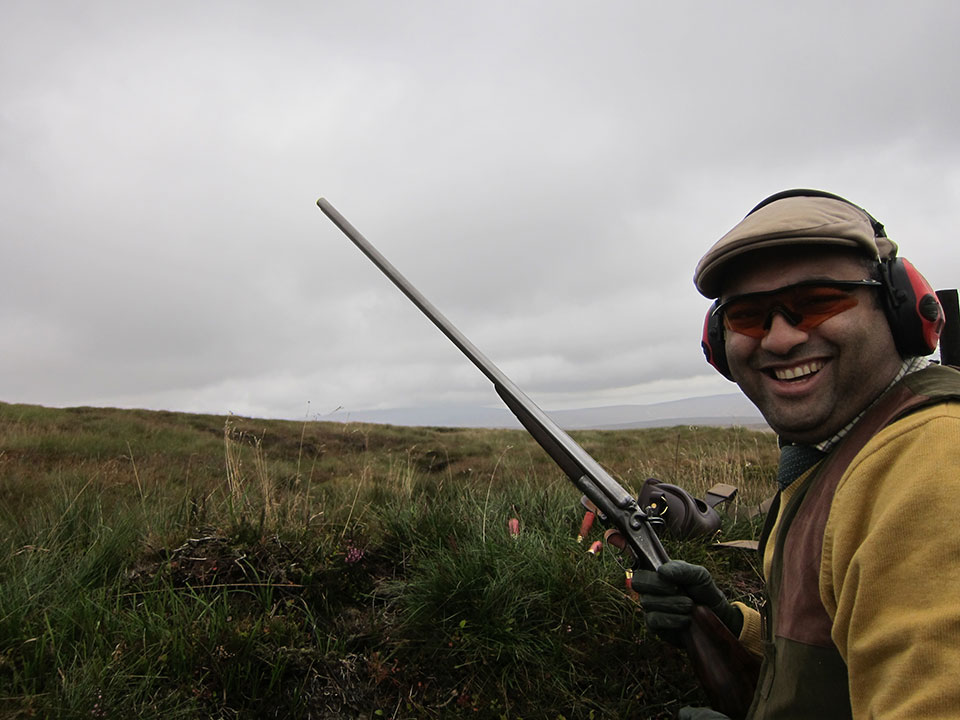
[{"x": 798, "y": 372}]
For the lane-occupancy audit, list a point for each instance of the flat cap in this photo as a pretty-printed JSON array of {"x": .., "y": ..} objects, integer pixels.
[{"x": 793, "y": 219}]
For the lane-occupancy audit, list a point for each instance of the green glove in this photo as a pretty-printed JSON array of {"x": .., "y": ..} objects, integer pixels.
[
  {"x": 669, "y": 594},
  {"x": 700, "y": 713}
]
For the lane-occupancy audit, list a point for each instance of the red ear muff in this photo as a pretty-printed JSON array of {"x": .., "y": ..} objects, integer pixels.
[
  {"x": 913, "y": 310},
  {"x": 712, "y": 343}
]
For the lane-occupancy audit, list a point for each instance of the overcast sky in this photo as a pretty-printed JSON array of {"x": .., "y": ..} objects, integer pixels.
[{"x": 547, "y": 173}]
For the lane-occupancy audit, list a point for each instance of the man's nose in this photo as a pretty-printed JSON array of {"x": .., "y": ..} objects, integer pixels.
[{"x": 782, "y": 335}]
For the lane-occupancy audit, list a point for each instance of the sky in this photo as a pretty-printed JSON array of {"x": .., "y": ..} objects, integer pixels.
[{"x": 547, "y": 173}]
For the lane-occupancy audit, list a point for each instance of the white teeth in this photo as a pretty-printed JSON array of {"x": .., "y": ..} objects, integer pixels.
[{"x": 798, "y": 371}]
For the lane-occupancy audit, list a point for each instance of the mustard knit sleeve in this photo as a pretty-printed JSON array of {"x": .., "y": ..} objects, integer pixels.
[
  {"x": 751, "y": 635},
  {"x": 890, "y": 573}
]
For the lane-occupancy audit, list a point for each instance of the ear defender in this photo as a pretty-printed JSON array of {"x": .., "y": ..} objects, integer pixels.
[
  {"x": 915, "y": 315},
  {"x": 712, "y": 342}
]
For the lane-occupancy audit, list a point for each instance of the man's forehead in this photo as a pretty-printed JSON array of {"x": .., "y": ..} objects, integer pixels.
[{"x": 771, "y": 268}]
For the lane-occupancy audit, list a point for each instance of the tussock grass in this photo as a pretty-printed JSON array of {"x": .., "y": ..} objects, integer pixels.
[{"x": 158, "y": 564}]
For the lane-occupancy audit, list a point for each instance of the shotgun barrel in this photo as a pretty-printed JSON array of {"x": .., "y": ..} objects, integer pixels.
[{"x": 726, "y": 670}]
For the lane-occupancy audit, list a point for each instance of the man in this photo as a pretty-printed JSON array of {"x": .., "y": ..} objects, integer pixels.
[{"x": 824, "y": 328}]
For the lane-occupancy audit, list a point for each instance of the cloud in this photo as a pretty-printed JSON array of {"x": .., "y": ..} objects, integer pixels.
[{"x": 547, "y": 173}]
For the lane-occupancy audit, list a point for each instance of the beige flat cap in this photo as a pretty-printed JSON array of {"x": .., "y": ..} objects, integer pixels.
[{"x": 792, "y": 220}]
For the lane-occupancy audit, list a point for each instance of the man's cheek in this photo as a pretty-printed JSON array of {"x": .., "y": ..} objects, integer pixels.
[{"x": 738, "y": 353}]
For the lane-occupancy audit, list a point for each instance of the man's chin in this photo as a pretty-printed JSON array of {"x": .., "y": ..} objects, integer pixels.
[
  {"x": 803, "y": 430},
  {"x": 804, "y": 419}
]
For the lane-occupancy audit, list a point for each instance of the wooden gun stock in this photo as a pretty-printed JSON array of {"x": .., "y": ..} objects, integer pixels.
[{"x": 726, "y": 670}]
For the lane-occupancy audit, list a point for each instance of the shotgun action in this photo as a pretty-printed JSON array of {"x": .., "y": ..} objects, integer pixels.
[{"x": 713, "y": 650}]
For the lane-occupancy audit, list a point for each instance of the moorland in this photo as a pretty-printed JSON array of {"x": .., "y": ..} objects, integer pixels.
[{"x": 162, "y": 564}]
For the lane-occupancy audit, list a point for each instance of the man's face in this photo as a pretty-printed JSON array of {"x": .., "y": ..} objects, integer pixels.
[{"x": 808, "y": 384}]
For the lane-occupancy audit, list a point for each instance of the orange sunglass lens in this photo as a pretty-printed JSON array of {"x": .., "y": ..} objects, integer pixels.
[{"x": 805, "y": 308}]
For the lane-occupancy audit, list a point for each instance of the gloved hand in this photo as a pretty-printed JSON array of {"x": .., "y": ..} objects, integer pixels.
[
  {"x": 700, "y": 713},
  {"x": 669, "y": 594}
]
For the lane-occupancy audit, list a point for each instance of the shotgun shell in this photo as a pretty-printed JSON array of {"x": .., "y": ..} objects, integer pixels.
[
  {"x": 613, "y": 537},
  {"x": 585, "y": 526}
]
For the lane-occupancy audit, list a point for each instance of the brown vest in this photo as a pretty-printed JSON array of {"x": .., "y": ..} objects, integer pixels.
[{"x": 803, "y": 675}]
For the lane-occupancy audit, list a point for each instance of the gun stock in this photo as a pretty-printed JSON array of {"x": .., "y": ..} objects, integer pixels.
[{"x": 726, "y": 671}]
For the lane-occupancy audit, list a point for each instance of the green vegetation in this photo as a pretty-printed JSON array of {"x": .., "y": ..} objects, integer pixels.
[{"x": 157, "y": 564}]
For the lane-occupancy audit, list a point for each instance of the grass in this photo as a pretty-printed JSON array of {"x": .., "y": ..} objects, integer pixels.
[{"x": 157, "y": 564}]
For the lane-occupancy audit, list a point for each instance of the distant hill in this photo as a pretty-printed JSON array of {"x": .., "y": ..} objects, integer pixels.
[{"x": 714, "y": 410}]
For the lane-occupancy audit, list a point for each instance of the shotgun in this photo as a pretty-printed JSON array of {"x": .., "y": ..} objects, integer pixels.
[{"x": 726, "y": 670}]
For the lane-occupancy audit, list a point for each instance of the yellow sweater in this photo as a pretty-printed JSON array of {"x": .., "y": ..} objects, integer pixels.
[{"x": 890, "y": 570}]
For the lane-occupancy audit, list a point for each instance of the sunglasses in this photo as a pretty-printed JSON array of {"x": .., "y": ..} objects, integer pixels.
[{"x": 804, "y": 305}]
